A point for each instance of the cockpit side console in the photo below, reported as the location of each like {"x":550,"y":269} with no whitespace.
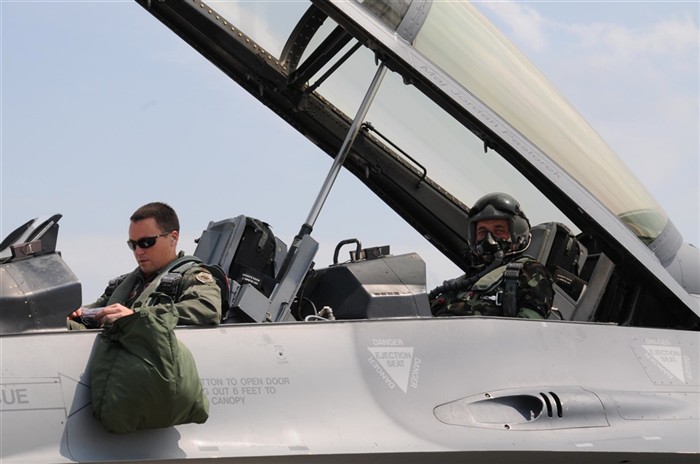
{"x":367,"y":288}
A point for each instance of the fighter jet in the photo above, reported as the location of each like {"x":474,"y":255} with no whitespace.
{"x":430,"y":107}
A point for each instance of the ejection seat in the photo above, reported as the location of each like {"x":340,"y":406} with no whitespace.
{"x":579,"y":278}
{"x":557,"y":248}
{"x":249,"y":254}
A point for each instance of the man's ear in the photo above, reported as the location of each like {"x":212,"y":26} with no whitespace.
{"x":175,"y":236}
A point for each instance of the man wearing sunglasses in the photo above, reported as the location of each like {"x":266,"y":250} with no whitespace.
{"x":503,"y":280}
{"x":163,"y":275}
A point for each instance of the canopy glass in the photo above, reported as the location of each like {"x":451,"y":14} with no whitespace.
{"x":457,"y":38}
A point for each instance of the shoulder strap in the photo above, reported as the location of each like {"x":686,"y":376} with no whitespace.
{"x":171,"y":275}
{"x":123,"y":285}
{"x":510,"y":278}
{"x":176,"y":268}
{"x":181,"y":264}
{"x":114,"y":283}
{"x":263,"y":228}
{"x":119,"y":288}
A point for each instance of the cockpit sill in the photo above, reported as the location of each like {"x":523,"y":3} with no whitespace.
{"x":321,"y":321}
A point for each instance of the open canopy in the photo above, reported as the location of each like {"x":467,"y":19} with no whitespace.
{"x":462,"y":113}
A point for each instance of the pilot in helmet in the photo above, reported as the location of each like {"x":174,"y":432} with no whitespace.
{"x":497,"y":224}
{"x":502,"y":280}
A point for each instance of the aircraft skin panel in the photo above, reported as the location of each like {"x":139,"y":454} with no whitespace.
{"x":357,"y":388}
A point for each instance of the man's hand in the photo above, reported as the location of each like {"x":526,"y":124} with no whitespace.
{"x":105,"y":316}
{"x":111,"y":313}
{"x":75,"y":314}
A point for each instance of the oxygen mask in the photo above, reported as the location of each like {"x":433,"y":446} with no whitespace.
{"x":489,"y":248}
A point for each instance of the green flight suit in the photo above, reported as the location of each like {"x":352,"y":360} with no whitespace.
{"x":197,"y":298}
{"x":534,"y":295}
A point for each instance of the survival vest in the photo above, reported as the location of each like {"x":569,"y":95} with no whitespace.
{"x":166,"y":282}
{"x":507,"y":273}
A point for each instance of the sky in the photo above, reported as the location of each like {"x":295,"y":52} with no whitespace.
{"x":103,"y":109}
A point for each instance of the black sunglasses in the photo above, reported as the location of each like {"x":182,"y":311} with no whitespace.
{"x":146,"y":242}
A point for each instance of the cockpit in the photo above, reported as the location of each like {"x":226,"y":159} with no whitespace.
{"x":429,"y":106}
{"x":430,"y":117}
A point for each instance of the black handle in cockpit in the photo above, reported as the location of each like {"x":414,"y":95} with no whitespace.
{"x":358,"y":250}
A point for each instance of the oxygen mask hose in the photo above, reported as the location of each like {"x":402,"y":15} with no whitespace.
{"x":461,"y":284}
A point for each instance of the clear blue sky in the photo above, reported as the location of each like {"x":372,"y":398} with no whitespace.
{"x":104,"y":109}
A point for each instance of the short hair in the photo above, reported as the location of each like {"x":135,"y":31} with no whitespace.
{"x":165,"y":216}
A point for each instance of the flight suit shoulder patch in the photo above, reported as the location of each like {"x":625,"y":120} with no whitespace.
{"x":204,"y":277}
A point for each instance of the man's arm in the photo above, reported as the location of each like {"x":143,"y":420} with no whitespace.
{"x":535,"y":293}
{"x":199,"y":300}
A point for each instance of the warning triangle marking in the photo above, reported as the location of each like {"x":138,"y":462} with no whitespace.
{"x":670,"y":357}
{"x":396,"y":362}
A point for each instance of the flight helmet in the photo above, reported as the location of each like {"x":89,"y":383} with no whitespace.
{"x":498,"y":206}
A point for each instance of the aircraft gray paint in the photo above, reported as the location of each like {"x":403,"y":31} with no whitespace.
{"x":613,"y":376}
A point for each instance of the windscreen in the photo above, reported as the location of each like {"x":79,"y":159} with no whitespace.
{"x":457,"y":38}
{"x":463,"y":43}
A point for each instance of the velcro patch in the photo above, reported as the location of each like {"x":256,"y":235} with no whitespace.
{"x":204,"y":277}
